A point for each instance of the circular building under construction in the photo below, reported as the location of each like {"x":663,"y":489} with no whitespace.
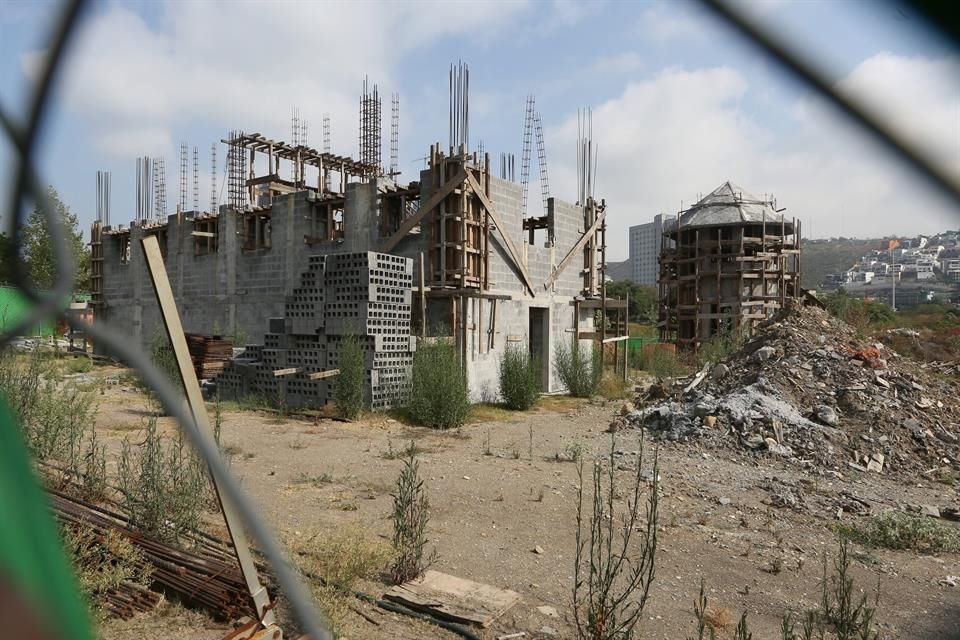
{"x":726,"y":263}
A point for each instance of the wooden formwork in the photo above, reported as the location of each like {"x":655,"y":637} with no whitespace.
{"x":718,"y":281}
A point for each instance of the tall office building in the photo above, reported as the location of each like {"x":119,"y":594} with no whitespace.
{"x":645,"y":243}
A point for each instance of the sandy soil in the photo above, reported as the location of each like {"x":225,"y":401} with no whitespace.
{"x":493,"y":503}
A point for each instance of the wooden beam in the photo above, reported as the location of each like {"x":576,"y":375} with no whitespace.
{"x":286,"y":372}
{"x":575,"y":249}
{"x":508,"y":243}
{"x":181,"y":352}
{"x":319,"y":375}
{"x":431,"y":203}
{"x":203,"y":234}
{"x":616,"y":339}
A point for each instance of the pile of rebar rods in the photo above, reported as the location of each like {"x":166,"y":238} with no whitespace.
{"x":207,"y":576}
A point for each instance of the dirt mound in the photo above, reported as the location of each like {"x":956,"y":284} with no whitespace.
{"x":808,"y":388}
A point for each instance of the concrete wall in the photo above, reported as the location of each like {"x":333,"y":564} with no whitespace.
{"x":237,"y":290}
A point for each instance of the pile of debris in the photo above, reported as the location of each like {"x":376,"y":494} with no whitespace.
{"x":208,"y":354}
{"x":806,"y":387}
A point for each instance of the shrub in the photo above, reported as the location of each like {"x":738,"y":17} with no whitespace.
{"x":411,"y":512}
{"x":57,"y":420}
{"x":348,"y":385}
{"x":661,"y":363}
{"x":438,"y":397}
{"x":899,"y":530}
{"x":610,"y":583}
{"x":161,"y":353}
{"x":162,"y":485}
{"x":579,"y":369}
{"x":519,"y":378}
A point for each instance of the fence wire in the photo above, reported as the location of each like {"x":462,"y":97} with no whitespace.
{"x":27,"y":187}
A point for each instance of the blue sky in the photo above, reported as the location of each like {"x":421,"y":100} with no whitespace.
{"x":680,"y":103}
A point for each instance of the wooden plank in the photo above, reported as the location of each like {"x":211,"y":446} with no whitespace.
{"x":286,"y":372}
{"x":455,"y":599}
{"x":508,"y":243}
{"x":171,"y":320}
{"x":616,"y":339}
{"x":320,"y":375}
{"x":427,"y":206}
{"x":203,"y":234}
{"x":575,"y":249}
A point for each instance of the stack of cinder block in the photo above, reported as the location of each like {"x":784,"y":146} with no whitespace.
{"x":368,"y":296}
{"x":365,"y":295}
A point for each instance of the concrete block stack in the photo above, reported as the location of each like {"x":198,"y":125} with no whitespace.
{"x":367,"y":295}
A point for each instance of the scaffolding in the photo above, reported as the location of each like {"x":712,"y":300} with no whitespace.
{"x":728,"y":262}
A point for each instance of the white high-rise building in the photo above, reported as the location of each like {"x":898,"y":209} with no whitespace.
{"x":645,"y":242}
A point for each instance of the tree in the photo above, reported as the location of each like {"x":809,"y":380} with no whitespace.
{"x":38,"y":251}
{"x":643,"y":299}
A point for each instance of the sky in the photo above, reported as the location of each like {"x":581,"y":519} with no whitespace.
{"x":680,"y":103}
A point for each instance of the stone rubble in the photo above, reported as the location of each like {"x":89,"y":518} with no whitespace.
{"x":808,"y":388}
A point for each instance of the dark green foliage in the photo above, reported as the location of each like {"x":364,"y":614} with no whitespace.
{"x":38,"y":253}
{"x":161,"y":354}
{"x":643,"y":299}
{"x":411,"y":512}
{"x":519,"y":378}
{"x":579,"y":369}
{"x":438,"y":397}
{"x":860,"y":314}
{"x":348,"y":384}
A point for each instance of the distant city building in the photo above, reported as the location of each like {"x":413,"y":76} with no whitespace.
{"x":645,"y":243}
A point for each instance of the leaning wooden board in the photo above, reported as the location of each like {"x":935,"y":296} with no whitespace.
{"x":450,"y":598}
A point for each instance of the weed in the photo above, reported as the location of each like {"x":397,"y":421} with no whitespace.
{"x":530,"y":442}
{"x":411,"y":450}
{"x":438,"y":397}
{"x":947,"y":477}
{"x":103,"y":561}
{"x":660,"y":362}
{"x":80,"y":364}
{"x":516,"y":453}
{"x":411,"y":512}
{"x":487,"y":451}
{"x":540,"y":495}
{"x":776,"y":565}
{"x":613,"y":387}
{"x":742,"y":632}
{"x":704,"y":629}
{"x":851,"y":618}
{"x":900,"y":530}
{"x":316,"y":481}
{"x":162,"y":484}
{"x":718,"y":618}
{"x":341,"y":559}
{"x":578,"y":368}
{"x":610,"y":588}
{"x":348,"y":385}
{"x":298,"y":444}
{"x":574,"y":450}
{"x":519,"y":378}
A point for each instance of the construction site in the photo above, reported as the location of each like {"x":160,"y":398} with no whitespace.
{"x":772,"y":461}
{"x":314,"y":246}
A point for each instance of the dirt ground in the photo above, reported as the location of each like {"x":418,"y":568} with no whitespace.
{"x":497,"y":492}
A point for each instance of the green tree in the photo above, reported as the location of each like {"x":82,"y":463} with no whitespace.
{"x":643,"y":299}
{"x":38,"y":251}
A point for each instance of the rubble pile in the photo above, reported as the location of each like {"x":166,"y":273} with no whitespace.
{"x":806,"y":387}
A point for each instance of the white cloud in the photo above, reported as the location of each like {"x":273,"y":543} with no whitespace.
{"x":681,"y":133}
{"x":246,"y":64}
{"x":918,"y":97}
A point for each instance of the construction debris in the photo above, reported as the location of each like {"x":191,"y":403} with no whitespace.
{"x":808,"y":388}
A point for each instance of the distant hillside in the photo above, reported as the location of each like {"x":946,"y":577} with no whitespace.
{"x":820,"y":257}
{"x":618,"y":270}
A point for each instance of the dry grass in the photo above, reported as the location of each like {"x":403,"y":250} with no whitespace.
{"x":719,"y":618}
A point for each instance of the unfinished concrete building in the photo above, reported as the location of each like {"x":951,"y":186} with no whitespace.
{"x":728,"y":262}
{"x":313,"y":247}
